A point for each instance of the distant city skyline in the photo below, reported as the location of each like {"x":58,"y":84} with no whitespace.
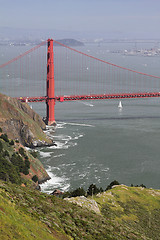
{"x":99,"y":18}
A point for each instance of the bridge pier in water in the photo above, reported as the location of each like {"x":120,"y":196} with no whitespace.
{"x":50,"y":102}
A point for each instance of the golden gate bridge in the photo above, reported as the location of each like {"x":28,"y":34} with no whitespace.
{"x":71,"y":75}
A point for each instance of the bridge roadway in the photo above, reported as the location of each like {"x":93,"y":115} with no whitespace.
{"x":91,"y":97}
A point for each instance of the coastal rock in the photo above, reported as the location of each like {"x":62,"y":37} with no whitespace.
{"x":21,"y":123}
{"x":85,"y":202}
{"x":57,"y":192}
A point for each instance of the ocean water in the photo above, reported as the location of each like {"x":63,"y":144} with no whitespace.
{"x":96,"y":141}
{"x":99,"y":143}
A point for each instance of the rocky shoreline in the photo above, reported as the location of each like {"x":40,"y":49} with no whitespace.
{"x":21,"y":124}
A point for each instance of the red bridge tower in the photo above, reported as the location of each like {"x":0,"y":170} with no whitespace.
{"x":50,"y":84}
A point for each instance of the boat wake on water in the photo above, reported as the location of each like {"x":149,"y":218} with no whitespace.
{"x":80,"y":124}
{"x":87,"y":104}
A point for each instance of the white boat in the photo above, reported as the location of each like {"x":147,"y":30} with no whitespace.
{"x":120,"y":105}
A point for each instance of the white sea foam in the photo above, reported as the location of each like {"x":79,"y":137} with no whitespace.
{"x":78,"y":136}
{"x":68,"y":164}
{"x":62,"y":137}
{"x":59,"y":145}
{"x":68,"y":138}
{"x":75,"y":138}
{"x":27,"y":148}
{"x":66,"y":187}
{"x":45,"y":154}
{"x":59,"y":155}
{"x":82,"y":175}
{"x":54,"y":182}
{"x":63,"y":141}
{"x":60,"y":125}
{"x":49,"y":131}
{"x":81,"y":135}
{"x":105,"y":170}
{"x":55,"y":168}
{"x":50,"y":127}
{"x":73,"y":144}
{"x":80,"y":124}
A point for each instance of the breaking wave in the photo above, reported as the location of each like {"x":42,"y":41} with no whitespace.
{"x":55,"y":182}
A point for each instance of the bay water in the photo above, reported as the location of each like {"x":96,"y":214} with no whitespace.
{"x":97,"y":142}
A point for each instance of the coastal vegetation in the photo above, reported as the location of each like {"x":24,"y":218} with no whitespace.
{"x":123,"y":213}
{"x":17,"y":165}
{"x":20,"y":126}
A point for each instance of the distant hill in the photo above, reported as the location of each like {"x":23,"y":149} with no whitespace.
{"x":69,"y":42}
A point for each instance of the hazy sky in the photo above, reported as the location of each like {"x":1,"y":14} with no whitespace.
{"x":139,"y":18}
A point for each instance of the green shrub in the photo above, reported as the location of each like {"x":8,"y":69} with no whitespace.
{"x":93,"y":190}
{"x":5,"y":153}
{"x":25,"y":170}
{"x":35,"y":178}
{"x":26,"y":157}
{"x":21,"y":151}
{"x":11,"y":142}
{"x":1,"y":146}
{"x":112,"y":184}
{"x":27,"y":163}
{"x":17,"y":160}
{"x":34,"y":154}
{"x":141,"y":185}
{"x":8,"y":172}
{"x":4,"y":137}
{"x":78,"y":192}
{"x":0,"y":129}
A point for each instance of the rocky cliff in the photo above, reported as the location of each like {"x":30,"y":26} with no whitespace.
{"x":21,"y":123}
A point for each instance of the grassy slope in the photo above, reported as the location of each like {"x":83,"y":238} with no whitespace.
{"x":134,"y":207}
{"x":17,"y":225}
{"x":126,"y":213}
{"x":16,"y":219}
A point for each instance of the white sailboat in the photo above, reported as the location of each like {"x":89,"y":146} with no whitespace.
{"x":120,"y":105}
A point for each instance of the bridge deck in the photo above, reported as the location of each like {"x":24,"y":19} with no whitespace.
{"x":91,"y":97}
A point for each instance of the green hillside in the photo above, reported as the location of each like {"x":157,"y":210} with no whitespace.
{"x":125,"y":213}
{"x":135,"y":208}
